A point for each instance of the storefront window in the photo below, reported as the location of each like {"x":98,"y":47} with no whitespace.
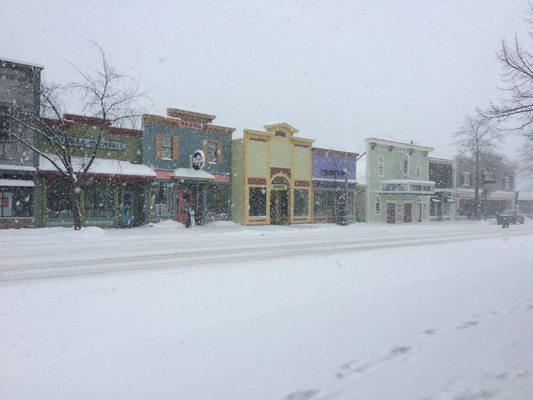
{"x":219,"y":201}
{"x":257,"y":202}
{"x":15,"y":202}
{"x":58,"y":200}
{"x":99,"y":200}
{"x":300,"y":202}
{"x":320,"y":202}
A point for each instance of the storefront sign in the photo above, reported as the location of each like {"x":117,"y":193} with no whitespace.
{"x":189,"y":124}
{"x":80,"y":141}
{"x":278,"y":186}
{"x":198,"y":160}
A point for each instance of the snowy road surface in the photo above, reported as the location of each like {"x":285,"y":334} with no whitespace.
{"x":430,"y":311}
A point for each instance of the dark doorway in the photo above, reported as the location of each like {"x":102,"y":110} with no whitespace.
{"x":127,"y":208}
{"x":184,"y":204}
{"x":279,"y":201}
{"x":408,"y":212}
{"x":391,"y":213}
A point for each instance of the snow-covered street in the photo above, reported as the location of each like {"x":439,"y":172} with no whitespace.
{"x":428,"y":311}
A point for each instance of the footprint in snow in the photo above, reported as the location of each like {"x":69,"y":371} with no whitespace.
{"x":467,"y":324}
{"x":302,"y":394}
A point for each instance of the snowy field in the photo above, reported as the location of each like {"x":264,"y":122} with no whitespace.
{"x":430,"y":311}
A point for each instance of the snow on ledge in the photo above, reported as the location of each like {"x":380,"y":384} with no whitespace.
{"x":189,"y":173}
{"x":525,"y":196}
{"x":8,"y":167}
{"x":16,"y":183}
{"x":100,"y":166}
{"x":408,"y":181}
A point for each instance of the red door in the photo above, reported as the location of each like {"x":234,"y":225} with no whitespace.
{"x":408,"y":212}
{"x":391,"y":213}
{"x":184,"y":204}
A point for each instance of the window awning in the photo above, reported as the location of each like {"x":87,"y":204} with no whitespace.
{"x":101,"y":166}
{"x":17,"y":183}
{"x":501,"y":195}
{"x":193,"y":174}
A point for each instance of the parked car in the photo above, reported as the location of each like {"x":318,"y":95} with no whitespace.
{"x":513,"y":216}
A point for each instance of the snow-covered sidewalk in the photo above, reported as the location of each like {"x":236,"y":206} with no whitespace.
{"x":422,"y":320}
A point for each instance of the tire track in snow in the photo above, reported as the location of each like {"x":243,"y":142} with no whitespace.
{"x":216,"y":256}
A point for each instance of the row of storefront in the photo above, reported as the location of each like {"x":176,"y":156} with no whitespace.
{"x":182,"y":163}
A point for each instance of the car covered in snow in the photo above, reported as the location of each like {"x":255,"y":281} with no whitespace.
{"x":513,"y":216}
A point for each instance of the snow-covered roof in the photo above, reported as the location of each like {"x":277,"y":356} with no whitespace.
{"x":189,"y":173}
{"x":20,"y":62}
{"x":340,"y":180}
{"x":101,"y":166}
{"x":408,"y":181}
{"x":525,"y":196}
{"x":16,"y":183}
{"x":501,"y":195}
{"x":11,"y":167}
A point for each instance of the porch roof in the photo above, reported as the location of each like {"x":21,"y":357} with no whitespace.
{"x":16,"y":183}
{"x":100,"y":166}
{"x":193,"y":174}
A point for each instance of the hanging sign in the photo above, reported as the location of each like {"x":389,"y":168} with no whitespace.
{"x":278,"y":187}
{"x":198,"y":160}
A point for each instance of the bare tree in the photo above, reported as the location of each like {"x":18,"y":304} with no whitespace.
{"x":517,"y":108}
{"x":476,"y":138}
{"x":106,"y":95}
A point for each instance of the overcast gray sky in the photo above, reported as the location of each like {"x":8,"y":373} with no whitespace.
{"x":339,"y":71}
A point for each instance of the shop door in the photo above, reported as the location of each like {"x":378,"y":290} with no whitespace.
{"x":184,"y":204}
{"x":391,"y":213}
{"x":408,"y":212}
{"x":279,"y":201}
{"x":419,"y":212}
{"x":127,"y":208}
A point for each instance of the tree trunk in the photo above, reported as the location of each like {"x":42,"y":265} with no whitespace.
{"x":75,"y":200}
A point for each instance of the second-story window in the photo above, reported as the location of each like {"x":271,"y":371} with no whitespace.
{"x":381,"y":166}
{"x":506,"y":183}
{"x":406,"y":166}
{"x":418,"y":171}
{"x":466,"y":178}
{"x":213,"y":152}
{"x":166,"y":148}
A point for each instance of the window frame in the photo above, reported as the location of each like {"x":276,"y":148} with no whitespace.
{"x":305,"y":202}
{"x":263,"y":190}
{"x":165,"y":147}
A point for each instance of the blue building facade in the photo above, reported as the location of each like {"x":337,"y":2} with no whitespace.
{"x":192,"y":160}
{"x":333,"y":183}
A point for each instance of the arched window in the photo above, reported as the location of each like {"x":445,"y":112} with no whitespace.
{"x":381,"y":166}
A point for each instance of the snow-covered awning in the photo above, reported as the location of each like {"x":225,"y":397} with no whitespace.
{"x":9,"y":167}
{"x":525,"y":196}
{"x":194,"y":174}
{"x":101,"y":166}
{"x":16,"y":183}
{"x":501,"y":195}
{"x":407,"y":186}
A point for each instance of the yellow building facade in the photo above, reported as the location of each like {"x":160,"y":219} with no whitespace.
{"x":272,"y":176}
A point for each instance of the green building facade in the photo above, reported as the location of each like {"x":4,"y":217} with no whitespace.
{"x":398,"y":186}
{"x":117,"y":191}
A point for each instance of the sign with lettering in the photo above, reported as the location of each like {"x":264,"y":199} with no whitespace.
{"x":90,"y":142}
{"x":278,"y":186}
{"x":189,"y":124}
